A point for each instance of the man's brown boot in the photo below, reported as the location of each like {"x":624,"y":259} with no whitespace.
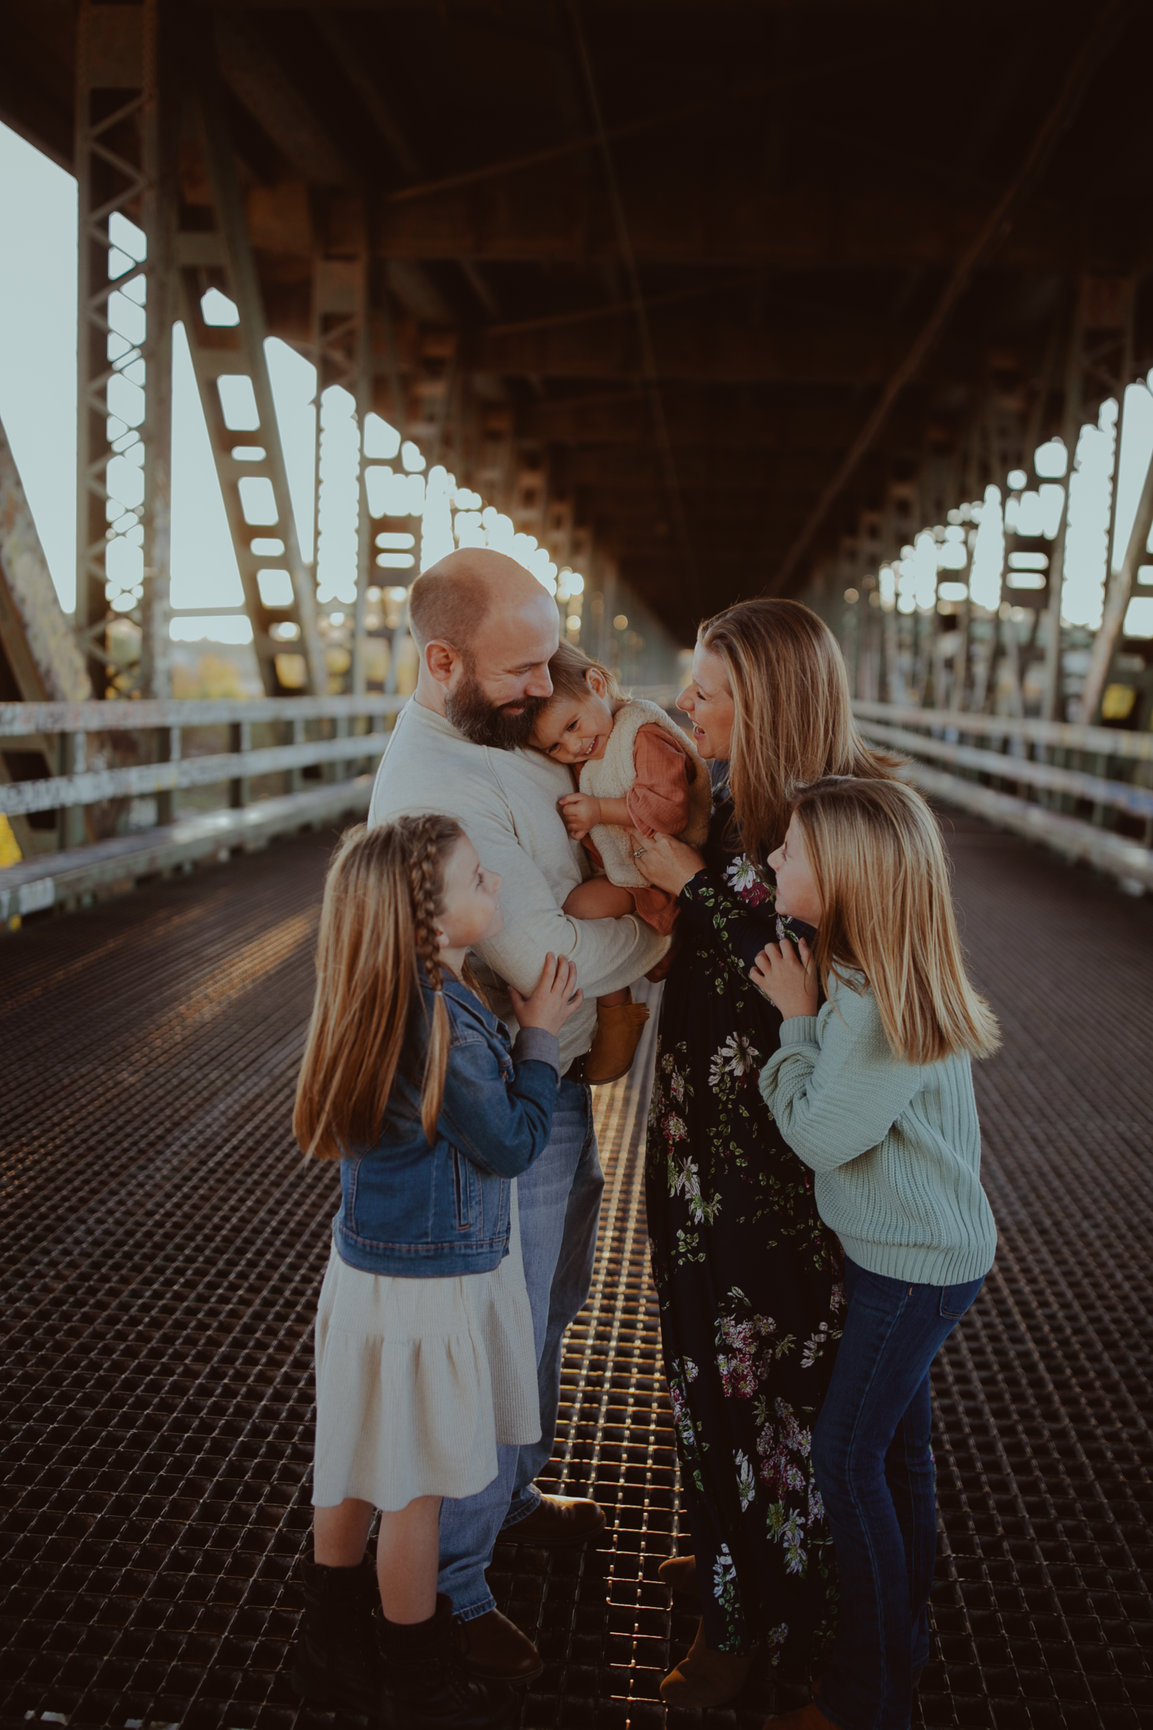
{"x":493,"y":1649}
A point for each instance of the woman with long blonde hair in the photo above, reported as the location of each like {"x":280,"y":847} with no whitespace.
{"x":874,"y":1092}
{"x":425,"y":1358}
{"x":747,"y":1277}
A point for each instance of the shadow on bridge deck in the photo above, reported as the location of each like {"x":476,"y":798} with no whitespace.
{"x":163,"y":1247}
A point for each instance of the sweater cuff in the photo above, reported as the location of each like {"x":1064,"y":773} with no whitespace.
{"x":537,"y":1045}
{"x":799,"y":1030}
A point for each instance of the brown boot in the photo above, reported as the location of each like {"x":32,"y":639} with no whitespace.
{"x":619,"y":1029}
{"x":704,"y":1677}
{"x":679,"y":1573}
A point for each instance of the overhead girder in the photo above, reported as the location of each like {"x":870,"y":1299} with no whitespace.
{"x":803,"y":347}
{"x":556,"y":214}
{"x":768,"y":419}
{"x":613,"y":474}
{"x":799,"y":349}
{"x":254,"y":75}
{"x":634,"y":540}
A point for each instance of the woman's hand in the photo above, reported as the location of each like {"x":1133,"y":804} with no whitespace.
{"x":580,"y":812}
{"x":788,"y":978}
{"x":665,"y":862}
{"x":555,"y":996}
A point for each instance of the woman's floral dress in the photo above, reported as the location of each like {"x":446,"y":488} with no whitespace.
{"x":748,"y":1279}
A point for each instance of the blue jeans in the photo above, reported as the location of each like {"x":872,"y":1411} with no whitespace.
{"x":559,"y":1198}
{"x":873,"y":1462}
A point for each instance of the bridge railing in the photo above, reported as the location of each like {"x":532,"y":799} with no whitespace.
{"x":1085,"y":791}
{"x":153,"y":785}
{"x":145,"y":787}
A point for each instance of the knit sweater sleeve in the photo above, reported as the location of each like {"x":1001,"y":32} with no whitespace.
{"x":658,"y":800}
{"x":607,"y":953}
{"x":835,"y":1087}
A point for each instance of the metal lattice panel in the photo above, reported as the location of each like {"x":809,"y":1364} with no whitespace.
{"x":163,"y":1247}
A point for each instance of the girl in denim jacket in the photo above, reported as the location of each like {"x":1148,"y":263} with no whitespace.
{"x":424,"y":1344}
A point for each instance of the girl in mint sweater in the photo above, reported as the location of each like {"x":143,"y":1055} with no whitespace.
{"x":874,"y":1092}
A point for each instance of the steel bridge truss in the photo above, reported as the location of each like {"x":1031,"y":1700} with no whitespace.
{"x":151,"y":251}
{"x":1012,"y":656}
{"x":124,"y":410}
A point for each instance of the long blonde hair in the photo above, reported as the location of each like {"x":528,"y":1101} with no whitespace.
{"x":382,"y":897}
{"x":878,"y":862}
{"x":792,"y":718}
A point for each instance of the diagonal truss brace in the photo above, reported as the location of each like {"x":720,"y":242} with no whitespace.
{"x":284,"y":624}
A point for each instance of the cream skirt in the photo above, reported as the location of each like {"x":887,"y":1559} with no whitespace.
{"x":417,"y":1380}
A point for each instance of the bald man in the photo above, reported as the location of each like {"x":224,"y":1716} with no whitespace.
{"x":485,"y":629}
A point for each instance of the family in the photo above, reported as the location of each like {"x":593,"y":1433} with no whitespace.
{"x":537,"y":843}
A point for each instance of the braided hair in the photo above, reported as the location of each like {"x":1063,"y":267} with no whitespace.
{"x":378,"y":943}
{"x":431,"y":840}
{"x":425,"y":885}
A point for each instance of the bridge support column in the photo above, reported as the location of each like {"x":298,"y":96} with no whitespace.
{"x":126,"y":184}
{"x":1099,"y":364}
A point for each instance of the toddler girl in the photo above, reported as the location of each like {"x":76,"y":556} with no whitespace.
{"x":424,"y":1343}
{"x":875,"y":1093}
{"x":638,"y":775}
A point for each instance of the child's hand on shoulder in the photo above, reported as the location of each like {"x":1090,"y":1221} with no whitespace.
{"x":787,"y":977}
{"x":555,"y":996}
{"x":580,"y":812}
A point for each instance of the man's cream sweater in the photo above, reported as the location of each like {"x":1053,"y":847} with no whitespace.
{"x":507,"y":803}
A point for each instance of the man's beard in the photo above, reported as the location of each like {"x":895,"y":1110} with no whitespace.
{"x":486,"y":723}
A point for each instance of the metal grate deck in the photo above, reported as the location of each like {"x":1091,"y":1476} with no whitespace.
{"x":162,"y":1248}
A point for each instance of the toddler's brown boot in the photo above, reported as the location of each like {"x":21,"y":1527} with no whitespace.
{"x":619,"y":1029}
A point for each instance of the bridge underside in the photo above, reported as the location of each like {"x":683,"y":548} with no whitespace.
{"x":711,"y":288}
{"x":163,"y":1247}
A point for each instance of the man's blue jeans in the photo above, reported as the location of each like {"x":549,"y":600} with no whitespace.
{"x":559,"y":1198}
{"x":873,"y":1462}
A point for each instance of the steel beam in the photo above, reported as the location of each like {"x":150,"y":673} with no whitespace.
{"x":800,"y":350}
{"x":615,"y":473}
{"x":342,"y":353}
{"x":222,"y":257}
{"x":123,"y":166}
{"x":1122,"y":585}
{"x":554,"y":213}
{"x":701,"y":417}
{"x":1099,"y":365}
{"x":251,"y":71}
